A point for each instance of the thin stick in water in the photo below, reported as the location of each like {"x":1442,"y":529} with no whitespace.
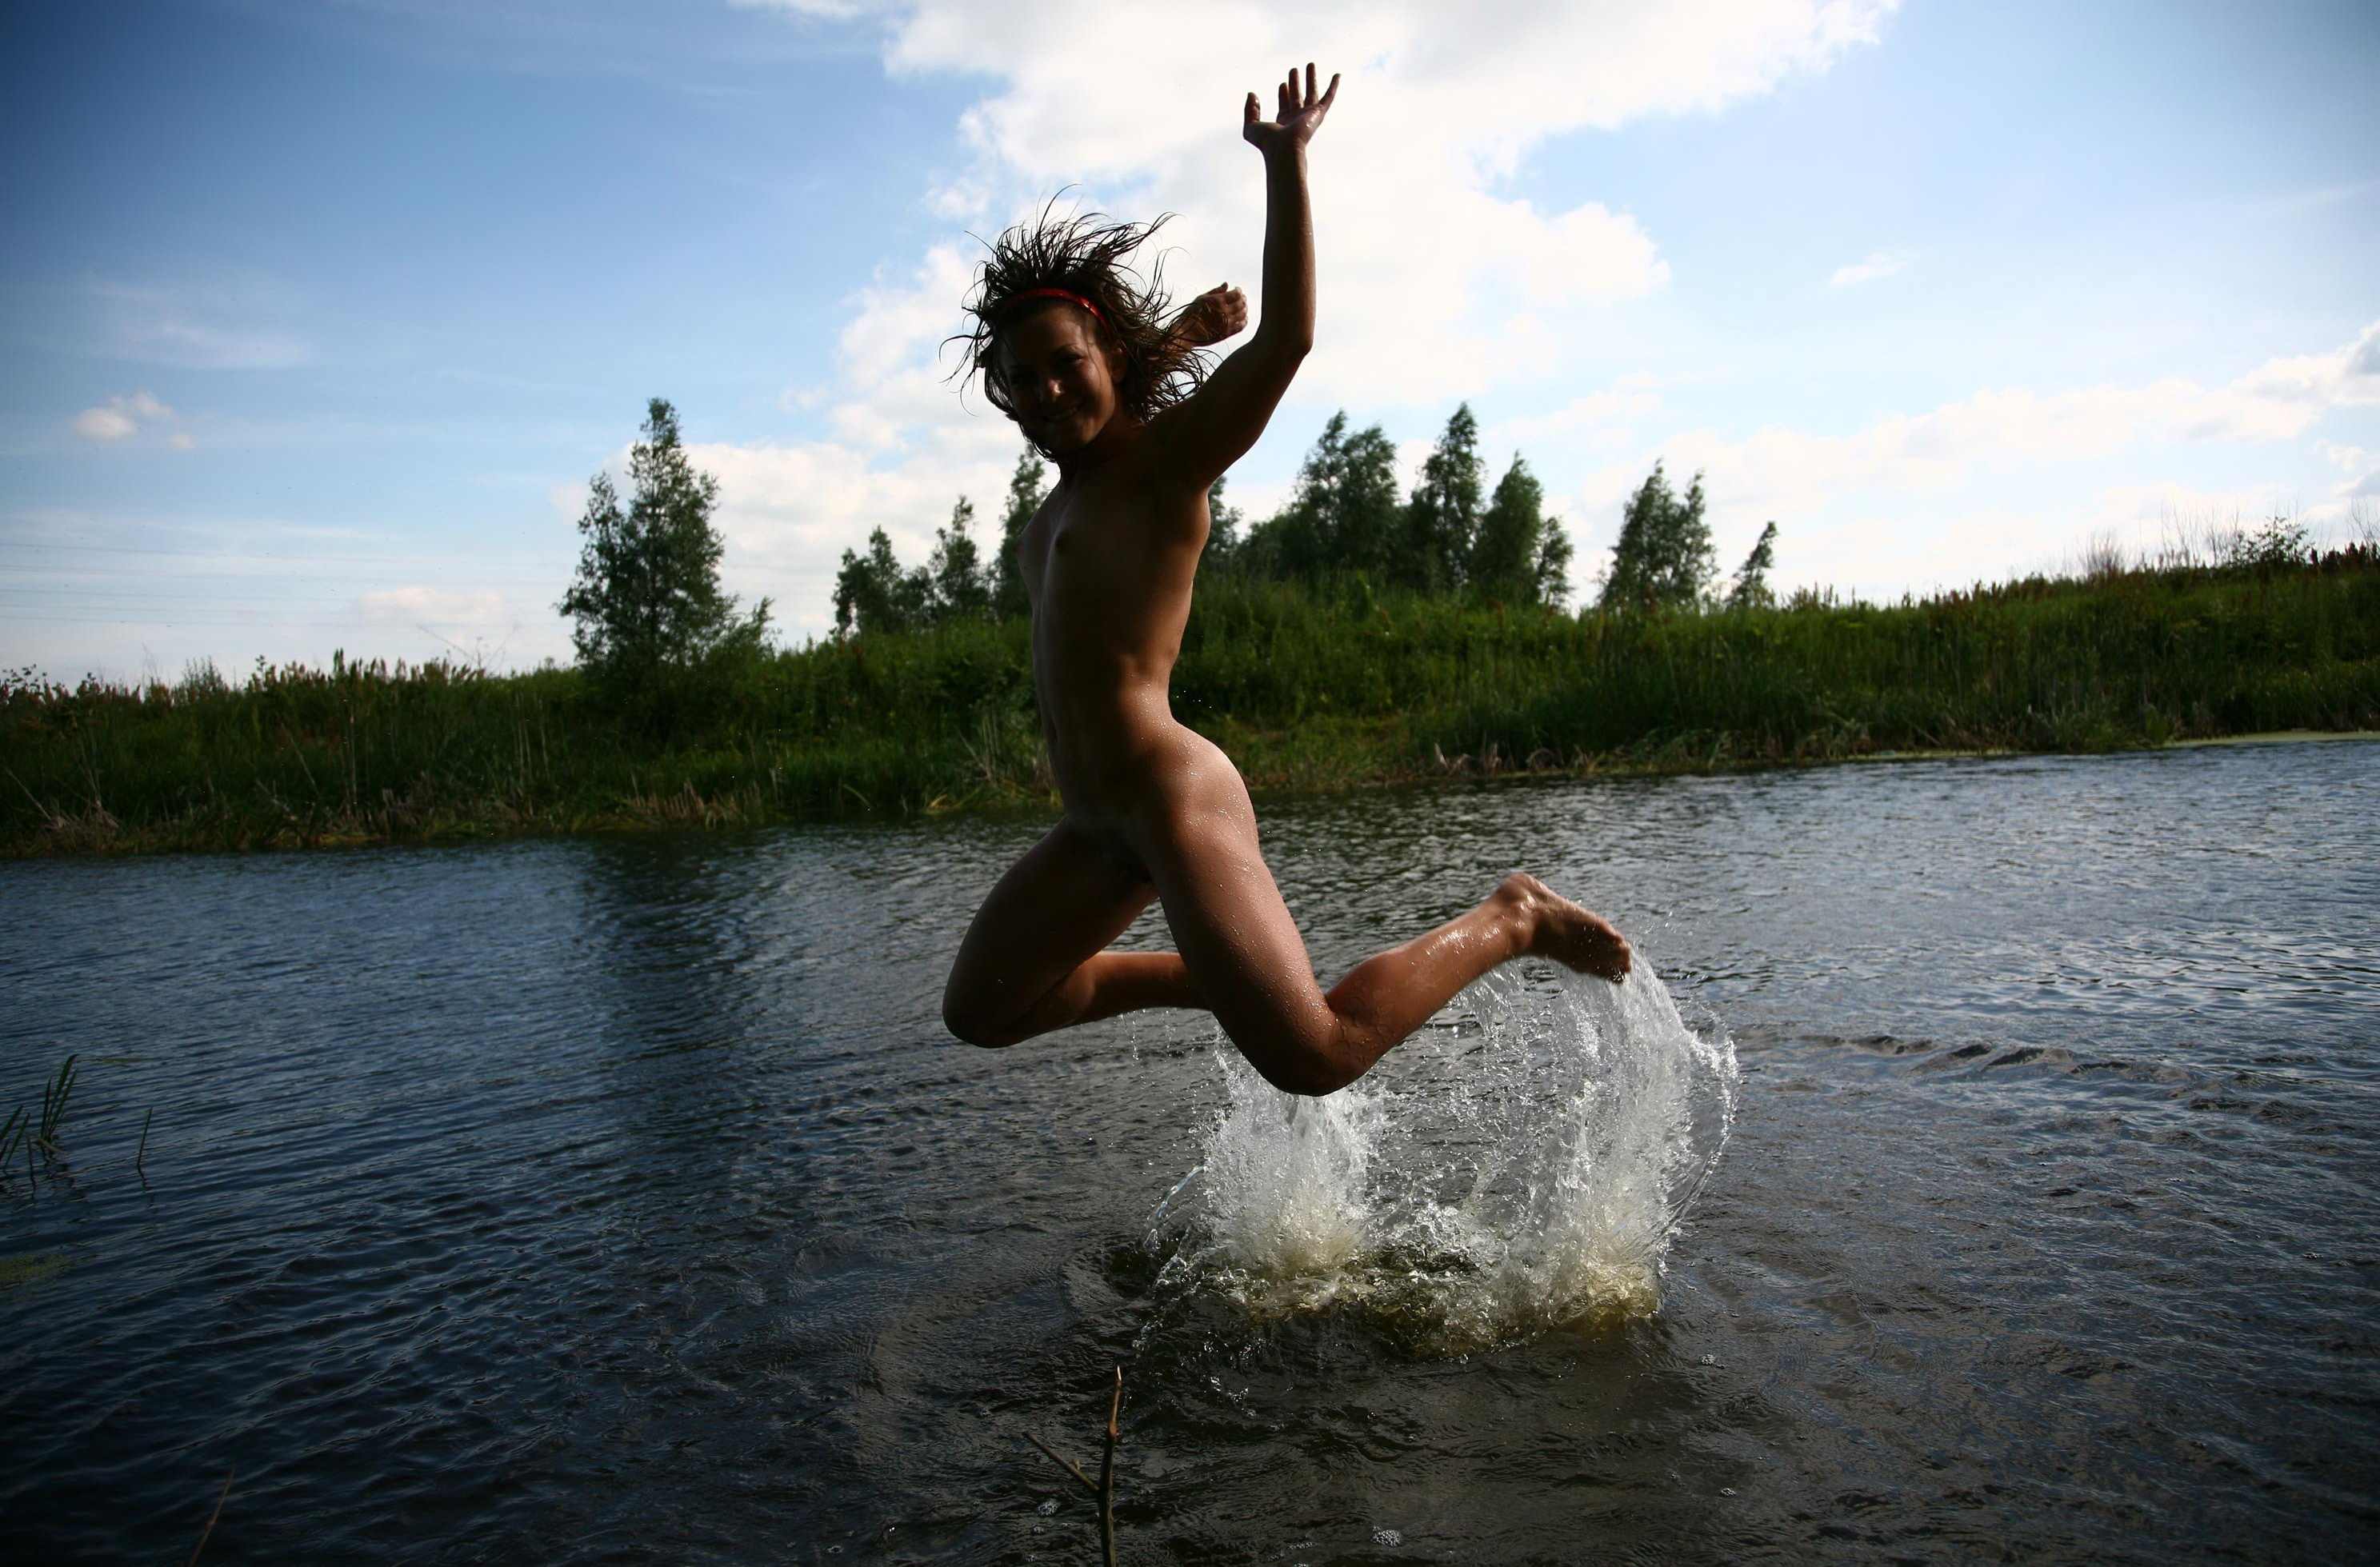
{"x":211,"y":1519}
{"x":1106,"y":1476}
{"x":1088,"y":1484}
{"x":140,"y":1156}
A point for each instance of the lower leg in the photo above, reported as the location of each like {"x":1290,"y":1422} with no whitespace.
{"x":1384,"y":999}
{"x":1387,"y":996}
{"x":1106,"y":986}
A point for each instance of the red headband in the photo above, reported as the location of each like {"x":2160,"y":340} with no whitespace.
{"x":1061,"y":293}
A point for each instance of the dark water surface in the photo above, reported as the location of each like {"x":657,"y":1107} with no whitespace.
{"x":622,"y":1199}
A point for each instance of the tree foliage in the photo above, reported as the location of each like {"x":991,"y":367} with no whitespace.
{"x":1518,"y":554}
{"x":646,"y":597}
{"x":1343,"y":514}
{"x":1663,"y":558}
{"x":1222,"y":529}
{"x":962,"y":588}
{"x":1347,"y":521}
{"x":1443,"y":519}
{"x":872,"y":593}
{"x":1751,"y":589}
{"x":1026,"y":491}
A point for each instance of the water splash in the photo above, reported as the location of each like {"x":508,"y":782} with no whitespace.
{"x":1529,"y":1177}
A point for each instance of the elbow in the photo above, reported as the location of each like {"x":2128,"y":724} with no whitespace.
{"x":1288,"y":342}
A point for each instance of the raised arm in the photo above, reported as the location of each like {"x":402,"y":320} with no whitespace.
{"x":1222,"y":420}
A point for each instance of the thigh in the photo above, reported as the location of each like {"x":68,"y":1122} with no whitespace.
{"x":1234,"y":933}
{"x":1072,"y":894}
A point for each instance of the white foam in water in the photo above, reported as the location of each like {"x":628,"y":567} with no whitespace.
{"x":1529,"y":1174}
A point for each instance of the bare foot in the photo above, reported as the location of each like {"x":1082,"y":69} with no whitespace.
{"x":1565,"y":932}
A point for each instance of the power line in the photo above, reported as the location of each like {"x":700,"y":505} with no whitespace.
{"x":209,"y":555}
{"x":234,"y":557}
{"x":257,"y":624}
{"x":47,"y":596}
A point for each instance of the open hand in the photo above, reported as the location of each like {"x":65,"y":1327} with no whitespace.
{"x":1211,"y":317}
{"x":1300,"y":116}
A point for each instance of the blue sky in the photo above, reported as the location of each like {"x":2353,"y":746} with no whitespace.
{"x":319,"y":316}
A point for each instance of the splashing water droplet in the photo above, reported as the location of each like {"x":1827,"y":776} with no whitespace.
{"x":1528,"y":1175}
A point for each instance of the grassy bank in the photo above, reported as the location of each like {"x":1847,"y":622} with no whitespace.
{"x":1306,"y":691}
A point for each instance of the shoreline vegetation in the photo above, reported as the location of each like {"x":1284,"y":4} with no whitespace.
{"x":1308,"y":687}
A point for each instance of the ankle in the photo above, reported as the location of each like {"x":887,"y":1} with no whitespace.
{"x":1520,"y":912}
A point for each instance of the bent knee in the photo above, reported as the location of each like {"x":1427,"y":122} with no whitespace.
{"x":1311,"y":1080}
{"x":1297,"y":1063}
{"x":971,"y":1023}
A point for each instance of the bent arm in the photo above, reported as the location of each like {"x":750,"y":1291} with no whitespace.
{"x":1210,"y":432}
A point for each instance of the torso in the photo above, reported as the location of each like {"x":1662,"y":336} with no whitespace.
{"x":1108,"y":562}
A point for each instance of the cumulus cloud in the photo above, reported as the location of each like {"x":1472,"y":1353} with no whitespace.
{"x":103,"y":424}
{"x":1784,"y":468}
{"x":1878,"y":264}
{"x":1433,"y":275}
{"x":120,"y":418}
{"x":1604,"y":418}
{"x":1847,"y":497}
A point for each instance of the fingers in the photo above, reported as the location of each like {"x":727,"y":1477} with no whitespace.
{"x":1294,"y":97}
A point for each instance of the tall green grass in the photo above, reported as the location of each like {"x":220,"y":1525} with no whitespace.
{"x":1306,"y":689}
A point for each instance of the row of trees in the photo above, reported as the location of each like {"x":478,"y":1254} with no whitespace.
{"x":647,"y":594}
{"x":1663,"y":558}
{"x":874,"y":592}
{"x":1345,"y":519}
{"x":1449,"y":536}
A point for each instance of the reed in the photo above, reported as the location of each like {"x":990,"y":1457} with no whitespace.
{"x":1307,"y":689}
{"x":55,"y":1094}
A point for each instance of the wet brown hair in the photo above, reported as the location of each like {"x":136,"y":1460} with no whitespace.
{"x":1085,"y":254}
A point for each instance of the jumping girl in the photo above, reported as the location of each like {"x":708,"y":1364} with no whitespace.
{"x":1079,"y":357}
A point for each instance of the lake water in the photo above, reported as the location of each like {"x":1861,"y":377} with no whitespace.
{"x":622,"y":1199}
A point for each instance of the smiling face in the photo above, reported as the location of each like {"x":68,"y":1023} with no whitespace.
{"x":1059,"y":380}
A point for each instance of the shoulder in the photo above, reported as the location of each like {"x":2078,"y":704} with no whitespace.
{"x":1168,"y":455}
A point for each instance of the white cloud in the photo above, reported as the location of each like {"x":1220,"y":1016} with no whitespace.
{"x":443,"y":608}
{"x":1429,"y":278}
{"x":1789,"y":469}
{"x":1603,"y":418}
{"x":121,"y":418}
{"x":1432,"y":276}
{"x":221,"y":326}
{"x":103,"y":424}
{"x":1846,"y":500}
{"x":1879,"y":264}
{"x":788,"y":512}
